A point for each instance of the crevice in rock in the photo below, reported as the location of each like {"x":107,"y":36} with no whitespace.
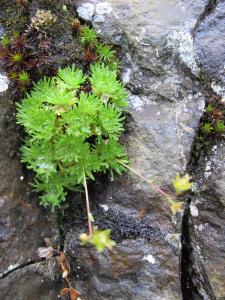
{"x":195,"y":286}
{"x":17,"y":267}
{"x":209,"y":8}
{"x":194,"y":281}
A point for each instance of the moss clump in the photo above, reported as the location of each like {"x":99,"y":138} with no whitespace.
{"x":43,"y":19}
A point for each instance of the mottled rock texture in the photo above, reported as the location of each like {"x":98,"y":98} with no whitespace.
{"x":209,"y":38}
{"x":207,"y":224}
{"x":23,"y":223}
{"x":166,"y":102}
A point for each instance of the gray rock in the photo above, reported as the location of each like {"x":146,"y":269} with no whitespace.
{"x":129,"y":272}
{"x":4,"y":83}
{"x":23,"y":224}
{"x":86,"y":11}
{"x":209,"y":39}
{"x":208,"y":231}
{"x":165,"y":102}
{"x":27,"y":284}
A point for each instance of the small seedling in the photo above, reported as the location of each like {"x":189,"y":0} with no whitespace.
{"x":207,"y":128}
{"x":88,"y":36}
{"x":209,"y":109}
{"x":5,"y":41}
{"x":19,"y":58}
{"x":13,"y":75}
{"x":105,"y":53}
{"x":219,"y":127}
{"x":24,"y":78}
{"x":16,"y":57}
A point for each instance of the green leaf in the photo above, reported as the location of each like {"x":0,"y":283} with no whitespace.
{"x":182,"y":183}
{"x":71,"y":78}
{"x":105,"y":84}
{"x":88,"y":36}
{"x":100,"y":239}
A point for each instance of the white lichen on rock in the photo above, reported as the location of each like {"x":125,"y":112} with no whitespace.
{"x":4,"y":83}
{"x":194,"y":210}
{"x":181,"y":42}
{"x":136,"y":102}
{"x":104,"y":207}
{"x":219,"y":90}
{"x":103,"y":8}
{"x":98,"y":12}
{"x":86,"y":11}
{"x":149,"y":258}
{"x":11,"y":267}
{"x":126,"y":75}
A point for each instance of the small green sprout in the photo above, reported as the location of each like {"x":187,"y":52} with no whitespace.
{"x":16,"y":57}
{"x":202,"y":75}
{"x":88,"y":36}
{"x":207,"y":128}
{"x":23,"y":78}
{"x":209,"y":108}
{"x":182,"y":183}
{"x":5,"y":41}
{"x":13,"y":75}
{"x":16,"y":34}
{"x":105,"y":53}
{"x":100,"y":239}
{"x":114,"y":65}
{"x":219,"y":127}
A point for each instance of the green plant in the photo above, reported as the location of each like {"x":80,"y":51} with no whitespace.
{"x":219,"y":127}
{"x":88,"y":36}
{"x":206,"y":128}
{"x":24,"y":78}
{"x":105,"y":53}
{"x":5,"y":41}
{"x":72,"y":135}
{"x":13,"y":75}
{"x":105,"y":84}
{"x":209,"y":108}
{"x":16,"y":57}
{"x":22,"y":64}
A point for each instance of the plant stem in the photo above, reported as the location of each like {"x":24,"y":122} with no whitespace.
{"x":88,"y":206}
{"x":154,"y":187}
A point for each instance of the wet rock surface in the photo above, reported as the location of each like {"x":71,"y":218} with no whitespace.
{"x":132,"y":270}
{"x":210,"y":46}
{"x":23,"y":224}
{"x":27,"y":284}
{"x":166,"y":102}
{"x":207,"y":223}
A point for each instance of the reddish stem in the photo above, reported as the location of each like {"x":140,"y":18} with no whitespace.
{"x":88,"y":206}
{"x":154,"y":187}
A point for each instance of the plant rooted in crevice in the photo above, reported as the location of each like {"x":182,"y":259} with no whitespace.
{"x":21,"y":62}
